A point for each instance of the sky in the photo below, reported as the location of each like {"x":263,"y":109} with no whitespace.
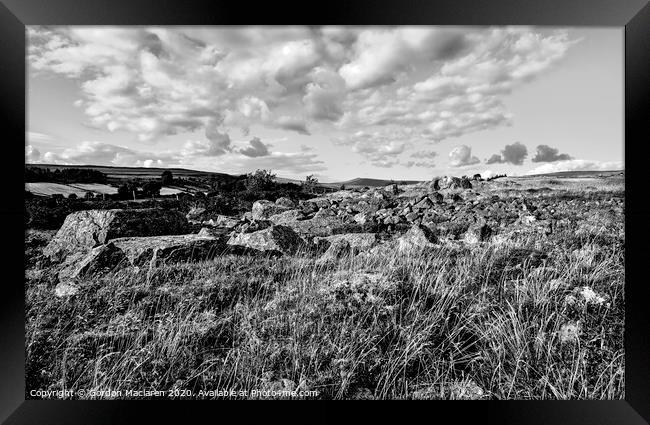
{"x":335,"y":102}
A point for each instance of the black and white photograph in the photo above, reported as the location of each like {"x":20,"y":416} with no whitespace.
{"x":324,"y":212}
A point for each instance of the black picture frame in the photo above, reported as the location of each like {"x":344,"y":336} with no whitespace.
{"x":634,"y":15}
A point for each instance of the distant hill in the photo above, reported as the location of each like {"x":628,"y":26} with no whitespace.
{"x":569,"y":174}
{"x":132,"y":172}
{"x":373,"y":182}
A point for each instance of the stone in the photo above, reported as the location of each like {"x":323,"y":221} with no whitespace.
{"x":324,"y":223}
{"x":99,"y":260}
{"x":478,"y":233}
{"x":418,"y":236}
{"x":436,"y":197}
{"x":65,"y":289}
{"x":275,"y":239}
{"x":285,"y":202}
{"x":412,"y":216}
{"x":263,"y":209}
{"x":83,"y":230}
{"x":287,"y":217}
{"x":424,"y":204}
{"x":153,"y":251}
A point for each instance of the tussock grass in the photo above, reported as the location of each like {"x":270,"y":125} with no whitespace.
{"x":445,"y":322}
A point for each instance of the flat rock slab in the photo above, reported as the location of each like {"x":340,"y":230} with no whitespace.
{"x":84,"y":230}
{"x":276,"y":239}
{"x":154,"y":250}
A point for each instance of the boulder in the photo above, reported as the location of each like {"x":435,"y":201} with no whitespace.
{"x":263,"y":209}
{"x":423,"y":204}
{"x":287,"y":217}
{"x":285,"y":202}
{"x":275,"y":239}
{"x":84,"y":230}
{"x":324,"y":223}
{"x":99,"y":260}
{"x":478,"y":233}
{"x":152,"y":251}
{"x":418,"y":236}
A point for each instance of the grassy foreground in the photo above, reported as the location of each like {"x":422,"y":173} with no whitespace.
{"x":526,"y":318}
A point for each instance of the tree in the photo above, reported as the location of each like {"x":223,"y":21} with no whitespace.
{"x":260,"y":180}
{"x":72,"y":196}
{"x":151,"y":188}
{"x":166,"y":179}
{"x":310,"y":183}
{"x":125,"y":191}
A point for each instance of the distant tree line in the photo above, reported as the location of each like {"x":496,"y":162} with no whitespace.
{"x":64,"y":175}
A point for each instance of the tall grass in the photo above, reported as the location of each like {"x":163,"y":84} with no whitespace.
{"x":444,"y":322}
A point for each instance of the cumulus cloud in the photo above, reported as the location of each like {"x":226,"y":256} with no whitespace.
{"x":382,"y":151}
{"x":256,"y":148}
{"x":461,"y":156}
{"x":577,"y":165}
{"x":512,"y":154}
{"x":545,"y":153}
{"x":94,"y":152}
{"x":426,"y":83}
{"x":32,"y":154}
{"x":495,"y":159}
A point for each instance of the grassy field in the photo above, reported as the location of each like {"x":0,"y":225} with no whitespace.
{"x":526,"y":316}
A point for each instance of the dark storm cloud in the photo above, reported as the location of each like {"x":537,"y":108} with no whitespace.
{"x":545,"y":153}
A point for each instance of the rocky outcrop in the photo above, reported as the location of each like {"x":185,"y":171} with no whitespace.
{"x":275,"y":239}
{"x":84,"y":230}
{"x":264,"y":209}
